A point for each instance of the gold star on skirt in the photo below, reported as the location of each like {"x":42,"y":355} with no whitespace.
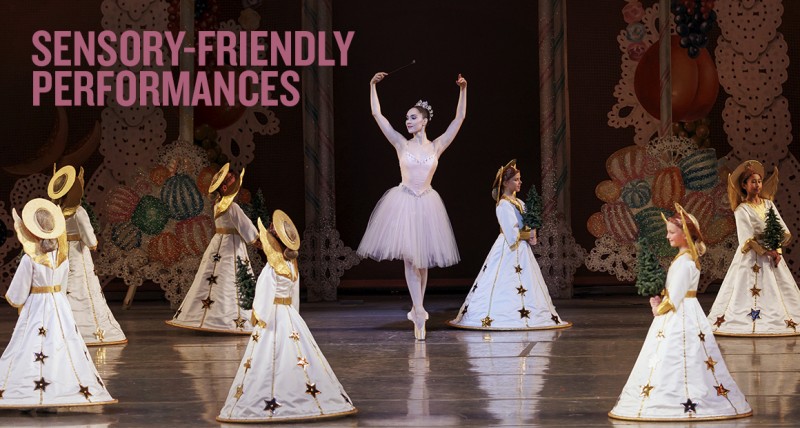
{"x":311,"y":389}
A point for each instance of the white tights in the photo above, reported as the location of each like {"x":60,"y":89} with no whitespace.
{"x":416,"y":279}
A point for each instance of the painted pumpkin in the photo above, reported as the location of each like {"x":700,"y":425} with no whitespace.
{"x":619,"y":222}
{"x":195,"y":233}
{"x":627,"y":164}
{"x":636,"y":193}
{"x":668,"y":188}
{"x":607,"y":191}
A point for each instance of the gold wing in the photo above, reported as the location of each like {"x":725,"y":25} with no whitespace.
{"x":734,"y":197}
{"x":770,"y":186}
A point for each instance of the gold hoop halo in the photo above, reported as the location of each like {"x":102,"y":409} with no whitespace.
{"x":33,"y":226}
{"x":498,"y":178}
{"x":68,"y":173}
{"x":286,"y":230}
{"x":219,"y":177}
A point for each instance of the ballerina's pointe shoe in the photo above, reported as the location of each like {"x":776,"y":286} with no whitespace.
{"x":419,"y":324}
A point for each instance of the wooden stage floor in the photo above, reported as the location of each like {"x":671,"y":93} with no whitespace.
{"x":172,"y":377}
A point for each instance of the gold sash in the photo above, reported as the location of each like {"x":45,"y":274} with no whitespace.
{"x":46,"y":289}
{"x":283,"y":301}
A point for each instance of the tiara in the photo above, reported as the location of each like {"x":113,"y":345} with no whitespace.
{"x":426,"y":106}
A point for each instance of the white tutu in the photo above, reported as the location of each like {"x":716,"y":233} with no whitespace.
{"x":410,"y":227}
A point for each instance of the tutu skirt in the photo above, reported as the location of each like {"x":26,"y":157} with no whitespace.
{"x":411,"y":227}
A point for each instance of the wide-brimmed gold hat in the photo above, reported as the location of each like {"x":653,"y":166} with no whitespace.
{"x":33,"y":226}
{"x":219,"y":177}
{"x":768,"y":188}
{"x":62,"y":181}
{"x":285,"y":229}
{"x":497,"y":185}
{"x":30,"y":232}
{"x":66,"y":186}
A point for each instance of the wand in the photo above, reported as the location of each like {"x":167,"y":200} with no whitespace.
{"x":413,"y":61}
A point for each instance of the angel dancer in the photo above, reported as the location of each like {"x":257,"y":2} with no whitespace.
{"x":680,"y":374}
{"x":759,"y":296}
{"x":283,"y":375}
{"x":46,"y":364}
{"x":212,"y":302}
{"x":92,"y":315}
{"x":509,"y":293}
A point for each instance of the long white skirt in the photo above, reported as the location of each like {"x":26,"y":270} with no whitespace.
{"x":46,"y":363}
{"x":410,"y":227}
{"x":283,"y":376}
{"x":89,"y":308}
{"x":680,"y":374}
{"x":509,"y":293}
{"x":212,"y":302}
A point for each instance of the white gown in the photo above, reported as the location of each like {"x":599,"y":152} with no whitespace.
{"x":212,"y":302}
{"x":92,"y":315}
{"x":756,"y":298}
{"x":410,"y":221}
{"x":283,"y":375}
{"x":680,"y":374}
{"x":46,"y":363}
{"x":509,"y":293}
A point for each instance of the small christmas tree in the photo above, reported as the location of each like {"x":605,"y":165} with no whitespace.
{"x":245,"y":284}
{"x":773,"y":232}
{"x":258,"y":208}
{"x":650,"y":276}
{"x":92,"y":216}
{"x":533,"y":209}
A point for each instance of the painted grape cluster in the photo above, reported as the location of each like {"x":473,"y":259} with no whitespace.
{"x":694,"y":19}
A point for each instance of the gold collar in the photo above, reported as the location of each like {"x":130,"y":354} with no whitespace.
{"x":69,"y":212}
{"x":759,"y":209}
{"x":62,"y":252}
{"x":223,"y":204}
{"x":692,"y":254}
{"x":277,"y":261}
{"x":30,"y":245}
{"x":514,"y":202}
{"x":680,"y":253}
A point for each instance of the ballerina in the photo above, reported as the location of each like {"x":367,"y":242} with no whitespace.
{"x":509,"y":293}
{"x":410,"y":221}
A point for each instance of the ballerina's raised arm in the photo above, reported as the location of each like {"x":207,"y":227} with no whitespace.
{"x":396,"y":138}
{"x":449,"y":135}
{"x":393,"y":136}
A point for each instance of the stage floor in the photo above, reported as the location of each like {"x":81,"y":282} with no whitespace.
{"x":171,"y":377}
